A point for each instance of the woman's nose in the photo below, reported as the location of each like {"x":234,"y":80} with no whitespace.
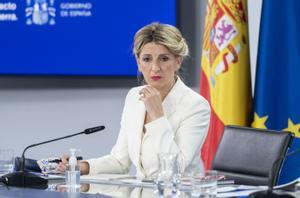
{"x":155,"y":67}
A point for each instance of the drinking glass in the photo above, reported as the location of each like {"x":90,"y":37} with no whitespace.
{"x":168,"y":176}
{"x":6,"y":161}
{"x":204,"y":184}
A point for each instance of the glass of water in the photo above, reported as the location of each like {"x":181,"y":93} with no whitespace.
{"x":204,"y":184}
{"x":168,"y":176}
{"x":6,"y":161}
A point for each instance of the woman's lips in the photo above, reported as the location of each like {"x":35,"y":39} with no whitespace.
{"x":155,"y":78}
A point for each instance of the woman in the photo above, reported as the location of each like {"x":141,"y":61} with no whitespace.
{"x":164,"y":115}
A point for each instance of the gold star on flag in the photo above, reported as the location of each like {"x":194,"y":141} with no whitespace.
{"x":294,"y":128}
{"x":259,"y":122}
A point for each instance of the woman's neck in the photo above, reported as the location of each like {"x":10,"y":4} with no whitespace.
{"x":166,"y":91}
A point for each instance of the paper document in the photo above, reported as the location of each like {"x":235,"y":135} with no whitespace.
{"x":238,"y":190}
{"x":50,"y":176}
{"x":187,"y":182}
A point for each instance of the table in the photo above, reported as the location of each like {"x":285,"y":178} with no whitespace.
{"x":35,"y":193}
{"x":92,"y":188}
{"x":88,"y":189}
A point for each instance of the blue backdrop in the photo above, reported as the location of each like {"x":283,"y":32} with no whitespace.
{"x":78,"y":37}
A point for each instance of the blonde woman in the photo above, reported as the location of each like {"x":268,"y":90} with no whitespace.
{"x":161,"y":116}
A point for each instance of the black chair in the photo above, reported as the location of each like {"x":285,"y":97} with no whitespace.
{"x":246,"y":155}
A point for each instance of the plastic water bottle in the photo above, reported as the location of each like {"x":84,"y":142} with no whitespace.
{"x":73,"y":171}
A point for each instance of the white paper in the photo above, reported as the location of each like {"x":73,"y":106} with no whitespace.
{"x":238,"y":190}
{"x":236,"y":193}
{"x":50,"y":176}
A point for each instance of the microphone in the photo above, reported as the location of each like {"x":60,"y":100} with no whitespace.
{"x":93,"y":130}
{"x":26,"y":179}
{"x":269,"y":192}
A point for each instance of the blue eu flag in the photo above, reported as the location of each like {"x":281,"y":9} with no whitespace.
{"x":277,"y":88}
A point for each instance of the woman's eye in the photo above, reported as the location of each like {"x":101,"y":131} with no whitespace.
{"x":146,"y":59}
{"x":165,"y":58}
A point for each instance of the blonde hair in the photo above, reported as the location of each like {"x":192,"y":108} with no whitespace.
{"x":163,"y":34}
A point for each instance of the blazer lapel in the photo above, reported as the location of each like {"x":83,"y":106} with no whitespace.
{"x":168,"y":106}
{"x":173,"y":98}
{"x":137,"y":129}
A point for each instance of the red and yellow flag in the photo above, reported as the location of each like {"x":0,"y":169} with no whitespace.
{"x":225,"y":75}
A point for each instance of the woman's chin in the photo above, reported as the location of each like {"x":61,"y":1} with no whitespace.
{"x":156,"y":85}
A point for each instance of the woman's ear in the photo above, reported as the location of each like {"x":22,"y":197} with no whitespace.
{"x":138,"y":63}
{"x":179,"y":60}
{"x":139,"y":67}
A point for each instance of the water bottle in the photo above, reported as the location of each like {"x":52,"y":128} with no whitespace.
{"x":73,"y":171}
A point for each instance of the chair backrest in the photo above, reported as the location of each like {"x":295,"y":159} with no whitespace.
{"x":247,"y":155}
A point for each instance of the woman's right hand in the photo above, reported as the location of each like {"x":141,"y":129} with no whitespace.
{"x":153,"y":102}
{"x":62,"y":166}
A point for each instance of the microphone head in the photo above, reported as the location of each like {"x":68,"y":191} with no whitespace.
{"x":93,"y":129}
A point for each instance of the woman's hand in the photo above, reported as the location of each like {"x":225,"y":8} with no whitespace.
{"x":153,"y":102}
{"x":62,"y":166}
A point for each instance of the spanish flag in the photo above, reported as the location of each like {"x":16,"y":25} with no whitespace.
{"x":225,"y":74}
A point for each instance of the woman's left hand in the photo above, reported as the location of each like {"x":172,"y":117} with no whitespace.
{"x":61,"y":167}
{"x":153,"y":102}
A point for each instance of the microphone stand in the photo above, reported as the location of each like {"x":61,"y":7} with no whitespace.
{"x":25,"y":179}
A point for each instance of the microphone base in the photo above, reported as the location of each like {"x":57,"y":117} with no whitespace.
{"x":24,"y":179}
{"x":269,"y":194}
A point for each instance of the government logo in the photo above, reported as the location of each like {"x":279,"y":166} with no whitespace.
{"x":40,"y":12}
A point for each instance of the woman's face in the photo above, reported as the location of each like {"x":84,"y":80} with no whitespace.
{"x":158,"y":66}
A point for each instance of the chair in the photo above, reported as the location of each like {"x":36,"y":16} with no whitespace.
{"x":246,"y":155}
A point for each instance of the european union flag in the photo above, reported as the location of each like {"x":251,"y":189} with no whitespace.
{"x":277,"y":88}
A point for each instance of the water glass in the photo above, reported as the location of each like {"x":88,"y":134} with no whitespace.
{"x":204,"y":184}
{"x":168,"y":176}
{"x":6,"y":161}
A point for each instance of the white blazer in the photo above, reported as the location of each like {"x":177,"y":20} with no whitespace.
{"x":182,"y":130}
